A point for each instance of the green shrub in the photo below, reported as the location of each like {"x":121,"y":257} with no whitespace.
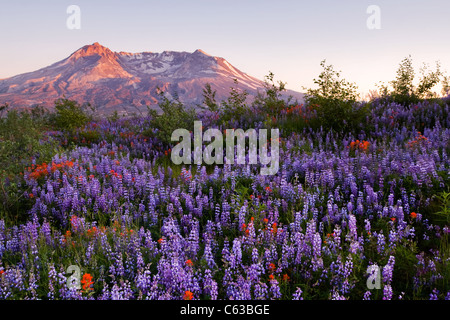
{"x":89,"y":136}
{"x":443,"y":215}
{"x":235,"y":107}
{"x":174,"y":116}
{"x":405,"y":266}
{"x":404,"y":91}
{"x":209,"y":99}
{"x":271,"y":102}
{"x":335,"y":102}
{"x":22,"y":140}
{"x":445,"y":86}
{"x":69,"y":114}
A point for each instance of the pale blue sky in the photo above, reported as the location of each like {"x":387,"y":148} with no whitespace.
{"x":289,"y":38}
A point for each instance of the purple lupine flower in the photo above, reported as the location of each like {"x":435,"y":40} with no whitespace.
{"x":391,"y":199}
{"x":210,"y":285}
{"x":380,"y":242}
{"x":144,"y":282}
{"x":193,"y":240}
{"x":244,"y":289}
{"x":242,"y":214}
{"x":367,"y":226}
{"x":121,"y":291}
{"x":345,"y":271}
{"x":274,"y":289}
{"x":89,"y":252}
{"x":217,"y":213}
{"x":225,"y":216}
{"x":350,"y":207}
{"x":287,"y":252}
{"x":310,"y":230}
{"x":387,"y":292}
{"x":355,"y":247}
{"x":117,"y":267}
{"x":297,"y":294}
{"x":236,"y":254}
{"x":52,"y":280}
{"x":260,"y":291}
{"x":208,"y":256}
{"x":32,"y":285}
{"x":226,"y":256}
{"x":336,"y":296}
{"x":353,"y":233}
{"x":317,"y":261}
{"x":388,"y":270}
{"x":255,"y":255}
{"x":393,"y":238}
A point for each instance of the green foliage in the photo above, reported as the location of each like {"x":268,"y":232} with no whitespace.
{"x":403,"y":89}
{"x":445,"y":85}
{"x":443,"y":215}
{"x":89,"y":136}
{"x":114,"y":116}
{"x":235,"y":107}
{"x":22,"y":139}
{"x":427,"y":81}
{"x":332,"y":87}
{"x":271,"y":102}
{"x":174,"y":116}
{"x":405,"y":266}
{"x":209,"y":99}
{"x":335,"y":101}
{"x":211,"y":108}
{"x":289,"y":125}
{"x":69,"y":114}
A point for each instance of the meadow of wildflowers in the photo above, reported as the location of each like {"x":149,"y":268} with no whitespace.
{"x":138,"y":227}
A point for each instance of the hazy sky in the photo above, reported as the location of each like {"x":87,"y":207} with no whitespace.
{"x":289,"y":38}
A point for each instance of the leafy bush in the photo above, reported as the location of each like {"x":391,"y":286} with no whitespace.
{"x":335,"y":101}
{"x":69,"y":114}
{"x":174,"y":116}
{"x":443,"y":215}
{"x":445,"y":86}
{"x":271,"y":102}
{"x":404,"y":91}
{"x":266,"y":105}
{"x":22,"y":141}
{"x":209,"y":99}
{"x":427,"y":81}
{"x":235,"y":106}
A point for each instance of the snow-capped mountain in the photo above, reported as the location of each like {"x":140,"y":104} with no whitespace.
{"x":125,"y":81}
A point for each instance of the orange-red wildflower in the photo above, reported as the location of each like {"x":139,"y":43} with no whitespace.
{"x":87,"y":282}
{"x":274,"y":228}
{"x":188,"y":295}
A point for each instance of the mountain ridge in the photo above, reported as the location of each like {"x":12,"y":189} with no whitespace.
{"x":125,"y":81}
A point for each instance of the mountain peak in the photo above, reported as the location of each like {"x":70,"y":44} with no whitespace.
{"x":202,"y":52}
{"x":92,"y":49}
